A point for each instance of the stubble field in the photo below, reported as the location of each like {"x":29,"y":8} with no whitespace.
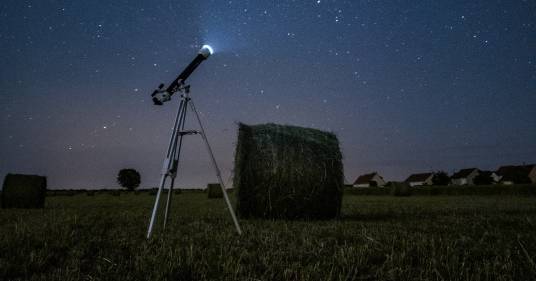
{"x":102,"y":237}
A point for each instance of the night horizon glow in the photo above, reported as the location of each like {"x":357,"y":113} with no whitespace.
{"x":407,"y":87}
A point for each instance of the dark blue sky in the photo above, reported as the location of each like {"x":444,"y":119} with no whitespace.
{"x":408,"y":86}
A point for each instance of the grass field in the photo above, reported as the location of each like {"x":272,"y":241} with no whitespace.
{"x":102,"y":237}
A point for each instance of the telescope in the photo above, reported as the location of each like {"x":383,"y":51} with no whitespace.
{"x":162,"y":95}
{"x":171,"y":161}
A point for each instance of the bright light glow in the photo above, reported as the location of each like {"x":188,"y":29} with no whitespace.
{"x":209,"y":48}
{"x":206,"y":51}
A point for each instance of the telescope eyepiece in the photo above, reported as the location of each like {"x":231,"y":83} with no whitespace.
{"x":159,"y":97}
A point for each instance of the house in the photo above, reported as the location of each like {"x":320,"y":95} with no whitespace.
{"x":517,"y":174}
{"x":420,"y":179}
{"x":464,"y":176}
{"x":495,"y":178}
{"x":368,"y":180}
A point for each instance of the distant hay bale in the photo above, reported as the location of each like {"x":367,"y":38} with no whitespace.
{"x":68,"y":193}
{"x":153,"y":191}
{"x":214,"y":190}
{"x":287,"y":172}
{"x":24,"y":191}
{"x":62,"y":192}
{"x":400,"y":189}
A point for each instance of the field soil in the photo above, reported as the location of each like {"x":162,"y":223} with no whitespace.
{"x":102,"y":237}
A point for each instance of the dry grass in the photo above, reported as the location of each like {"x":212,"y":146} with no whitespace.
{"x":377,"y":238}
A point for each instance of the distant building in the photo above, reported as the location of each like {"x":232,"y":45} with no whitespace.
{"x":495,"y":178}
{"x":464,"y":176}
{"x":368,"y":180}
{"x":420,"y":179}
{"x":517,"y":174}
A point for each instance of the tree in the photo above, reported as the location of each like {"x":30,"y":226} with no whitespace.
{"x":129,"y":178}
{"x":440,"y":178}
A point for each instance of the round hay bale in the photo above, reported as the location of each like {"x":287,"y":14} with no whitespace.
{"x":214,"y":190}
{"x":287,"y":172}
{"x":400,"y":189}
{"x":24,"y":191}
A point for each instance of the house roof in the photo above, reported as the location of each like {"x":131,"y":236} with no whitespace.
{"x":419,"y":177}
{"x":506,"y":170}
{"x":512,"y":172}
{"x":463,"y":173}
{"x":515,"y":169}
{"x":366,"y":178}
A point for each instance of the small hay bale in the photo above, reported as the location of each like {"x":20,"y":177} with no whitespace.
{"x":65,"y":192}
{"x":287,"y":172}
{"x":400,"y":189}
{"x":70,"y":193}
{"x":24,"y":191}
{"x":214,"y":190}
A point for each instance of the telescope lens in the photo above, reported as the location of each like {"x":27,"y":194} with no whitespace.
{"x":206,"y":51}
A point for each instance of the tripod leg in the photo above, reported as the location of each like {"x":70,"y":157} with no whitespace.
{"x":218,"y":174}
{"x":168,"y":202}
{"x":155,"y":208}
{"x":176,"y":157}
{"x":168,"y":162}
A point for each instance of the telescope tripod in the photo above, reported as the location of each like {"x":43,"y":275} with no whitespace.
{"x":171,"y":162}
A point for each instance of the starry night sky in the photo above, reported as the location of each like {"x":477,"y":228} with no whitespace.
{"x":408,"y":86}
